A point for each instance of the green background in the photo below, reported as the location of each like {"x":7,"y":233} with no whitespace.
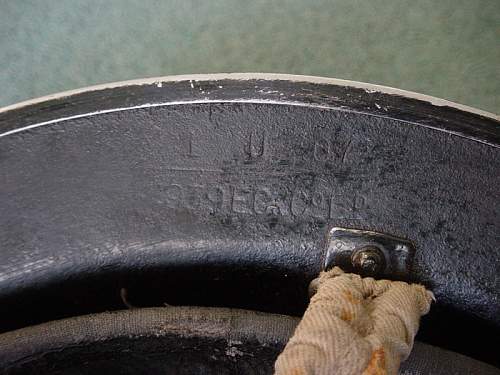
{"x":445,"y":48}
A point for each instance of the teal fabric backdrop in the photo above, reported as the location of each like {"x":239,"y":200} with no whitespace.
{"x":445,"y":48}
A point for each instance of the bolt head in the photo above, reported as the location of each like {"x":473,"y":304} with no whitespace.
{"x":369,"y":260}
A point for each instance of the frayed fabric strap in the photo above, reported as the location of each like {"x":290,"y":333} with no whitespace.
{"x":355,"y":325}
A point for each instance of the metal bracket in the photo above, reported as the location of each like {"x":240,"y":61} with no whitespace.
{"x":369,"y":253}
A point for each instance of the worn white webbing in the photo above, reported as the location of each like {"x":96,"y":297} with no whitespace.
{"x":355,"y":325}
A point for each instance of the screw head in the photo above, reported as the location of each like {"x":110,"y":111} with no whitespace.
{"x":369,"y":260}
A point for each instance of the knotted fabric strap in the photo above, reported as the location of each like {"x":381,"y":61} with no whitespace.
{"x":355,"y":325}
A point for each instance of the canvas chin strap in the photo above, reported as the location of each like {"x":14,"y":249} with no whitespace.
{"x":355,"y":325}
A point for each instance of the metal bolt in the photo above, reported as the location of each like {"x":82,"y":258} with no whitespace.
{"x":369,"y":260}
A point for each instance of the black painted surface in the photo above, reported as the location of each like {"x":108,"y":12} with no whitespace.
{"x":343,"y":98}
{"x":228,"y":204}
